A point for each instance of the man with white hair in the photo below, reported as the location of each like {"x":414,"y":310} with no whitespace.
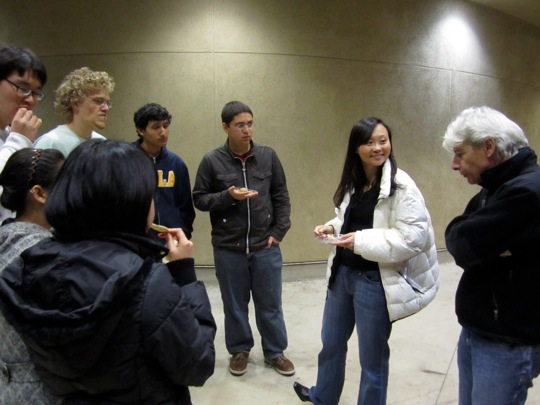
{"x":496,"y":242}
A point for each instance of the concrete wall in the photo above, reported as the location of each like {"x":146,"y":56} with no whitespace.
{"x":308,"y":68}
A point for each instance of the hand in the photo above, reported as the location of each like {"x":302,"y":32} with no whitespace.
{"x":272,"y":241}
{"x":346,"y":241}
{"x":241,"y":194}
{"x":180,"y":247}
{"x":506,"y":253}
{"x":26,"y":123}
{"x":323,"y":230}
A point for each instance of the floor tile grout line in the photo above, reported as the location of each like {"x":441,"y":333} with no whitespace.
{"x":446,"y":375}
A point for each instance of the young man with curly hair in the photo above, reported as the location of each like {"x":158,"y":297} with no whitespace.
{"x":83,"y":100}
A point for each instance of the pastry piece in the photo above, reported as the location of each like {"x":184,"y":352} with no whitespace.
{"x":159,"y":228}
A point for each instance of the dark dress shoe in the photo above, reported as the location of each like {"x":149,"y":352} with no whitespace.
{"x":302,"y":392}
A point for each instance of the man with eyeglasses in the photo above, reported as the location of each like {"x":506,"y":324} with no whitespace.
{"x":243,"y":186}
{"x":22,"y":77}
{"x":83,"y":100}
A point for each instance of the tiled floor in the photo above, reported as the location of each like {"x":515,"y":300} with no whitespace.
{"x":423,"y":368}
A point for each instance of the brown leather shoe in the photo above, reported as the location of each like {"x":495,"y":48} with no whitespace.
{"x":238,"y":363}
{"x":281,"y":364}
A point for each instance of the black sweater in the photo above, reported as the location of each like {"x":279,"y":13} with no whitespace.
{"x":496,"y":241}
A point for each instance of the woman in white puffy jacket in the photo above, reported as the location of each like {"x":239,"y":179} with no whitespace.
{"x":383,"y":267}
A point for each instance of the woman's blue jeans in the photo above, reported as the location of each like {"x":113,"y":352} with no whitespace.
{"x":493,"y":373}
{"x":241,"y":275}
{"x":355,"y":298}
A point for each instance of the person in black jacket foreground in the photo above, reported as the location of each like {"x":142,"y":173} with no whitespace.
{"x":496,"y":243}
{"x":105,"y":320}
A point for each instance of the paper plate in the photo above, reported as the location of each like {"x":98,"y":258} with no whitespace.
{"x":328,"y":238}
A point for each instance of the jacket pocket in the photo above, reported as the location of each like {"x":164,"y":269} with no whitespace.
{"x":414,"y":285}
{"x":410,"y":275}
{"x":229,"y":179}
{"x":261,"y":180}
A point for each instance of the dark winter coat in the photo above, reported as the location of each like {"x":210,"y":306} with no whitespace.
{"x":496,"y":241}
{"x":106,"y":322}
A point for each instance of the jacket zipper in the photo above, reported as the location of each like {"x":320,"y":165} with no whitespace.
{"x":495,"y":308}
{"x":483,"y":202}
{"x":248,"y":207}
{"x":157,"y":218}
{"x":247,"y":201}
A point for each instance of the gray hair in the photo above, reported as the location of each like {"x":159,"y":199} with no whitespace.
{"x":476,"y":124}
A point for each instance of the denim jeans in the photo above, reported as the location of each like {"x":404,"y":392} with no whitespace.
{"x":241,"y":275}
{"x":493,"y":373}
{"x":355,"y":298}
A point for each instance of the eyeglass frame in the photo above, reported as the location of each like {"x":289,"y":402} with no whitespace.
{"x":241,"y":125}
{"x":25,"y":92}
{"x":100,"y":102}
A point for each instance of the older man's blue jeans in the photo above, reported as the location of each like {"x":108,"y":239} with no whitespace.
{"x":493,"y":373}
{"x":356,"y":298}
{"x":241,"y":275}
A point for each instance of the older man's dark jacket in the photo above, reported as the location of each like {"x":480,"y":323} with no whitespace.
{"x":497,"y":243}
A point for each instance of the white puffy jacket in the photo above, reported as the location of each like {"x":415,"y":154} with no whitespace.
{"x":402,"y":241}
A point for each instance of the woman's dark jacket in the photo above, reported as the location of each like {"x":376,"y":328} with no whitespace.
{"x":107,"y":322}
{"x":497,"y":242}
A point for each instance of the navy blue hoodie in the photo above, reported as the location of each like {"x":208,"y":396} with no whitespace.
{"x":174,"y":205}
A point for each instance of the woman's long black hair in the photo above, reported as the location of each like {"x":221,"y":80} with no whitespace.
{"x":353,"y":176}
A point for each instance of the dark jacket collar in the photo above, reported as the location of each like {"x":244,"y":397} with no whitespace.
{"x":230,"y":151}
{"x":143,"y":246}
{"x":496,"y":176}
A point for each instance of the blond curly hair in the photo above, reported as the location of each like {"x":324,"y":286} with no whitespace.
{"x":76,"y":86}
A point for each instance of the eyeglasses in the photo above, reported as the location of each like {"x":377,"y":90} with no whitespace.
{"x":242,"y":125}
{"x":24,"y":92}
{"x":102,"y":102}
